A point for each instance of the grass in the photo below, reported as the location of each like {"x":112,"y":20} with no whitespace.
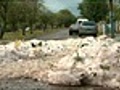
{"x":12,"y":36}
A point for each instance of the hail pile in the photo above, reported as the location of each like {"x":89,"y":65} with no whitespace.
{"x":94,"y":61}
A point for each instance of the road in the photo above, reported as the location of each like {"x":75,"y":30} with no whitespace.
{"x":64,"y":34}
{"x":61,"y":34}
{"x":30,"y":84}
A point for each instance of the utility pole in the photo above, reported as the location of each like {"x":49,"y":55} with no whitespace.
{"x":111,"y":18}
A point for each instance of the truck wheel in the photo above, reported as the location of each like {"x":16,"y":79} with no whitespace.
{"x":70,"y":33}
{"x":80,"y":35}
{"x":94,"y":35}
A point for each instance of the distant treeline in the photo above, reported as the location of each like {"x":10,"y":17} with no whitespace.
{"x":19,"y":14}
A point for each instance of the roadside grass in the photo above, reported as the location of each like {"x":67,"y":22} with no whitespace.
{"x":12,"y":36}
{"x":18,"y":34}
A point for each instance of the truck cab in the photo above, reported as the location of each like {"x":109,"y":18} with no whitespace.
{"x":74,"y":28}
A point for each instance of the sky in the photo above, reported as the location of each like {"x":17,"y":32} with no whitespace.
{"x":56,"y":5}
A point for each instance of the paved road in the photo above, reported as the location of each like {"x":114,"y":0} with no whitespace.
{"x":29,"y":84}
{"x":61,"y":34}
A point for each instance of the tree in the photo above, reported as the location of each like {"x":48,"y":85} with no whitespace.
{"x":47,"y":18}
{"x":4,"y":7}
{"x":18,"y":14}
{"x":65,"y":18}
{"x":28,"y":13}
{"x":34,"y":12}
{"x":117,"y":16}
{"x":44,"y":20}
{"x":13,"y":14}
{"x":117,"y":13}
{"x":52,"y":19}
{"x":94,"y":9}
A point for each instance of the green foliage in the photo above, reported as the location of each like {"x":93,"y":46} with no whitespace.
{"x":19,"y":14}
{"x":12,"y":36}
{"x":94,"y":9}
{"x":65,"y":18}
{"x":117,"y":13}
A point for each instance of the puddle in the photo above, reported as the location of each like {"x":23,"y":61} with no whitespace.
{"x":28,"y":84}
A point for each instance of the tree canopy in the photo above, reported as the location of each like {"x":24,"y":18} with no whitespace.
{"x":19,"y":14}
{"x":94,"y":9}
{"x":116,"y":12}
{"x":65,"y":17}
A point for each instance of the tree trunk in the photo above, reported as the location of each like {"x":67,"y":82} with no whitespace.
{"x":14,"y":27}
{"x":2,"y":31}
{"x":1,"y":34}
{"x":52,"y":26}
{"x":4,"y":17}
{"x":31,"y":29}
{"x":23,"y":31}
{"x":4,"y":27}
{"x":44,"y":27}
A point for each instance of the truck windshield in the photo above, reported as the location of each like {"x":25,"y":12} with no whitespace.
{"x":88,"y":23}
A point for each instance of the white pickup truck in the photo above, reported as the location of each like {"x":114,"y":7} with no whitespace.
{"x":74,"y":28}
